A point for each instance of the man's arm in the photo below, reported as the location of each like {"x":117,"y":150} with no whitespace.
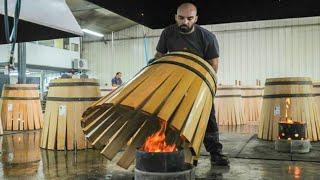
{"x":215,"y":64}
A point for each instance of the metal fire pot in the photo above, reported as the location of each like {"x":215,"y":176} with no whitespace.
{"x":162,"y":166}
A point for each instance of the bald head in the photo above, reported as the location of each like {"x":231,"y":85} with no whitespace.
{"x":186,"y":17}
{"x":187,"y":7}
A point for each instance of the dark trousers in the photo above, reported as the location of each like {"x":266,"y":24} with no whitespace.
{"x":211,"y":138}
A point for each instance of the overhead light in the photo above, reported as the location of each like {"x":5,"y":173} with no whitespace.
{"x":92,"y":32}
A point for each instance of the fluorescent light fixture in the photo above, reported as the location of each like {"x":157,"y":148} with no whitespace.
{"x":92,"y":32}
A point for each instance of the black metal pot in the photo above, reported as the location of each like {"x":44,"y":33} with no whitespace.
{"x":160,"y":161}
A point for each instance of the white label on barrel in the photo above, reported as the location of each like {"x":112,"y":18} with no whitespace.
{"x":10,"y":107}
{"x":62,"y":110}
{"x":276,"y":110}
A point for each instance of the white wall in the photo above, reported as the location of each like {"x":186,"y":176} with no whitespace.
{"x":43,"y":55}
{"x":50,"y":56}
{"x":5,"y":51}
{"x":248,"y":51}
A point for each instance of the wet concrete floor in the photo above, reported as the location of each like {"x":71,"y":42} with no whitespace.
{"x":21,"y":158}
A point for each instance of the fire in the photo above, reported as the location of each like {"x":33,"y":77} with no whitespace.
{"x":156,"y":142}
{"x":288,"y":102}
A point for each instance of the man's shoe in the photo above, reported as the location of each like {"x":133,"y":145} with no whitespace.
{"x":219,"y":160}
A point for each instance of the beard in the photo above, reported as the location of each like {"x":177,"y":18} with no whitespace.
{"x":185,"y":29}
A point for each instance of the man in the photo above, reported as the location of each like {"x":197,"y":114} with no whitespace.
{"x":185,"y":35}
{"x":116,"y":81}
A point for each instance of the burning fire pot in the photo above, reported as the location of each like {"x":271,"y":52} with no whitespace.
{"x":162,"y":166}
{"x":157,"y":159}
{"x":292,"y":135}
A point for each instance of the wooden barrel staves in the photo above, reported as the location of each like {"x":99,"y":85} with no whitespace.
{"x":252,"y":102}
{"x":316,"y":92}
{"x":177,"y":89}
{"x":21,"y":109}
{"x":1,"y":128}
{"x":292,"y":96}
{"x":228,"y":105}
{"x":66,"y":101}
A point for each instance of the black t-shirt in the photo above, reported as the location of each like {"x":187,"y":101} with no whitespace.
{"x":200,"y":42}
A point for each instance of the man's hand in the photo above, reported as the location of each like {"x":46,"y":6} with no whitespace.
{"x":158,"y":55}
{"x":214,"y":63}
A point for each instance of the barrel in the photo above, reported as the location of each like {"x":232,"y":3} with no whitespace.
{"x":1,"y":128}
{"x":228,"y":105}
{"x":66,"y":101}
{"x":21,"y":109}
{"x":105,"y":91}
{"x":291,"y":97}
{"x":177,"y":89}
{"x":252,"y":102}
{"x":316,"y":92}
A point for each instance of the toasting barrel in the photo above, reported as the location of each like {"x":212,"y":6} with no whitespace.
{"x":66,"y":101}
{"x":316,"y":92}
{"x":289,"y":97}
{"x":177,"y":88}
{"x":21,"y":109}
{"x":228,"y":105}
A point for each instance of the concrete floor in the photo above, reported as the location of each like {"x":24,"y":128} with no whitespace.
{"x":21,"y":158}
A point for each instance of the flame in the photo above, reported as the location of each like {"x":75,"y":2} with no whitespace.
{"x":288,"y":120}
{"x":288,"y":102}
{"x":156,"y":142}
{"x":296,"y":171}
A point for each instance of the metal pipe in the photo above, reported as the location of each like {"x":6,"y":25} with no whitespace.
{"x":22,"y":63}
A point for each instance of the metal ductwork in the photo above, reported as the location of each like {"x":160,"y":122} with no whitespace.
{"x":40,"y":20}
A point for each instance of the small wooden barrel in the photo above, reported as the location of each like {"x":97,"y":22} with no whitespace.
{"x":294,"y":96}
{"x":177,"y":89}
{"x":66,"y":101}
{"x":21,"y":108}
{"x":252,"y":102}
{"x":228,"y":105}
{"x":316,"y":92}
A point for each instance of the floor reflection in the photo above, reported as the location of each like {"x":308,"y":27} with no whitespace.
{"x":21,"y":158}
{"x":69,"y":163}
{"x":20,"y":154}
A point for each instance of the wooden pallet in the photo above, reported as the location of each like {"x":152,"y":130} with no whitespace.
{"x":177,"y":89}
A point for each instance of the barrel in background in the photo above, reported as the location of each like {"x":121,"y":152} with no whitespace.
{"x":228,"y":105}
{"x":66,"y":101}
{"x":21,"y":109}
{"x":277,"y":93}
{"x":252,"y":102}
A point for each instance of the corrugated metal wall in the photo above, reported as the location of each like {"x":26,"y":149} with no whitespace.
{"x":248,"y":51}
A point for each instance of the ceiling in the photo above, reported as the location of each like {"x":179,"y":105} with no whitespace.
{"x":160,"y":13}
{"x":39,"y":20}
{"x":98,"y":19}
